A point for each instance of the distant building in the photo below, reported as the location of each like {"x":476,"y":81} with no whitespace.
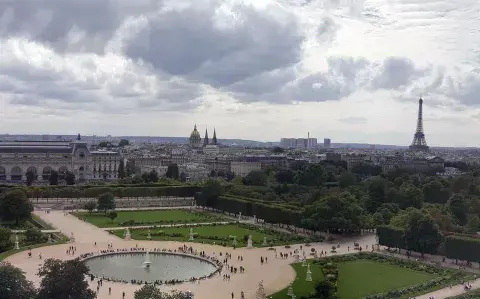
{"x":17,"y":158}
{"x":244,"y":168}
{"x":298,"y":142}
{"x":327,"y":143}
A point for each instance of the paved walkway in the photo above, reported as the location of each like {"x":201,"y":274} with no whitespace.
{"x":276,"y":274}
{"x":163,"y":225}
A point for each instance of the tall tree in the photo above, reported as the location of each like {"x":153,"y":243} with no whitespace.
{"x":211,"y":191}
{"x":457,"y":204}
{"x":14,"y":284}
{"x":422,"y":233}
{"x":14,"y":204}
{"x":64,"y":280}
{"x":90,"y":206}
{"x":106,"y":202}
{"x":30,"y":177}
{"x":172,"y":172}
{"x":70,"y":178}
{"x":285,"y":176}
{"x":53,"y":179}
{"x":5,"y":239}
{"x":123,"y":142}
{"x":255,"y":178}
{"x":121,"y":169}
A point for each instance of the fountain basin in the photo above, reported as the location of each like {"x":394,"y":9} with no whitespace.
{"x":163,"y":266}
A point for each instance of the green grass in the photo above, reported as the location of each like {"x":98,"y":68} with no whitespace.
{"x":300,"y":286}
{"x":148,"y":217}
{"x":221,"y":231}
{"x":361,"y":278}
{"x":357,"y":279}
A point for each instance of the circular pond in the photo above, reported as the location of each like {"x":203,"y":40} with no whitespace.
{"x":162,"y":266}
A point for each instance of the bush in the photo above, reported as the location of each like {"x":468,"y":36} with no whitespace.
{"x":34,"y":236}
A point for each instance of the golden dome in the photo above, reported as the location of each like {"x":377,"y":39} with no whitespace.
{"x":195,"y":134}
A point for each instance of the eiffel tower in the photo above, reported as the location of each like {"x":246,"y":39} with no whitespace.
{"x":419,"y":143}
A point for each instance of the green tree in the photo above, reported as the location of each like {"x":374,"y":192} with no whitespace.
{"x":64,"y":279}
{"x":172,"y":172}
{"x":285,"y":176}
{"x":435,"y":192}
{"x":70,"y":178}
{"x":53,"y":178}
{"x":377,"y":193}
{"x":14,"y":204}
{"x":123,"y":142}
{"x":255,"y":178}
{"x":457,"y":204}
{"x":106,"y":201}
{"x":410,"y":196}
{"x":311,"y":175}
{"x":90,"y":206}
{"x":5,"y":239}
{"x":324,"y":289}
{"x":422,"y":233}
{"x":229,"y":175}
{"x":211,"y":191}
{"x":112,"y":215}
{"x":346,"y":179}
{"x":473,"y":224}
{"x":30,"y":177}
{"x":130,"y":168}
{"x":121,"y":169}
{"x":153,"y":176}
{"x":334,"y":212}
{"x":14,"y":284}
{"x":34,"y":235}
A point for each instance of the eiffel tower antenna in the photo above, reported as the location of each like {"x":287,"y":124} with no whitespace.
{"x":419,"y":143}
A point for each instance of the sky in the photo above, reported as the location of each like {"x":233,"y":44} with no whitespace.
{"x":349,"y":70}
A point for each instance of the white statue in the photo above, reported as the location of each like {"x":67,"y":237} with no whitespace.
{"x":128,"y":236}
{"x":239,"y":216}
{"x":254,"y":218}
{"x":309,"y":273}
{"x":72,"y":238}
{"x":191,"y":235}
{"x":149,"y":236}
{"x":261,"y":291}
{"x":17,"y":244}
{"x":235,"y":243}
{"x":249,"y":242}
{"x":264,"y":241}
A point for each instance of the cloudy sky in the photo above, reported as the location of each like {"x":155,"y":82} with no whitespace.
{"x":351,"y":70}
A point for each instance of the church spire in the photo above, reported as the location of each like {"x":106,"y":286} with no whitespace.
{"x":205,"y":140}
{"x":214,"y":139}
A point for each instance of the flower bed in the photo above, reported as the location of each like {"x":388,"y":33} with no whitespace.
{"x":329,"y":268}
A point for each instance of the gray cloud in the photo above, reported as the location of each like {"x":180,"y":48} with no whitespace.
{"x":191,"y":43}
{"x":396,"y":72}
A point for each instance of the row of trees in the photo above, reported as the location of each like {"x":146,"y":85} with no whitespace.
{"x":93,"y":192}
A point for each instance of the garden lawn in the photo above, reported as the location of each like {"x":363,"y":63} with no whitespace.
{"x":148,"y":217}
{"x":221,"y":231}
{"x":361,"y":278}
{"x":300,"y":286}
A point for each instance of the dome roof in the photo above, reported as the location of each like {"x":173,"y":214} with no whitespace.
{"x":195,"y":134}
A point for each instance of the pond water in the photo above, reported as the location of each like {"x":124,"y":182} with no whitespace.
{"x":163,"y":266}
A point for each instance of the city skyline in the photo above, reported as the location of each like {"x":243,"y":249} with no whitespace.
{"x":351,"y":71}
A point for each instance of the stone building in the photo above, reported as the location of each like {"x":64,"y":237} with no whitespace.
{"x":42,"y":157}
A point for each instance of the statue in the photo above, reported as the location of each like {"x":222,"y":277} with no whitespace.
{"x":239,"y":216}
{"x":249,"y":242}
{"x":17,"y":244}
{"x":309,"y":273}
{"x":261,"y":291}
{"x":72,"y":238}
{"x":290,"y":290}
{"x":149,"y":236}
{"x":264,"y":241}
{"x":128,"y":236}
{"x":191,"y":235}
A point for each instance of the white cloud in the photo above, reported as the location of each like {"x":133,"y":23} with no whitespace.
{"x":153,"y":67}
